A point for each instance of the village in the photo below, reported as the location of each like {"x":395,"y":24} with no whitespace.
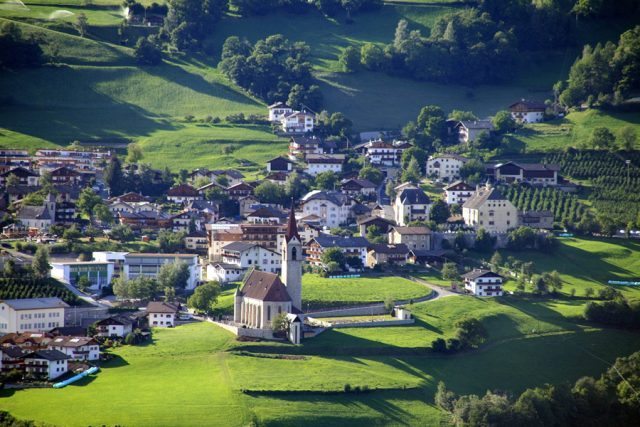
{"x":234,"y":230}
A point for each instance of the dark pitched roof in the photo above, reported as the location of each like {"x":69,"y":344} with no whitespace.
{"x":375,"y":219}
{"x":116,"y":320}
{"x":161,"y":307}
{"x":35,"y":303}
{"x":268,"y":212}
{"x":362,"y":183}
{"x":19,"y":172}
{"x":529,"y":105}
{"x":459,"y":186}
{"x":412,"y":230}
{"x":292,"y":226}
{"x":50,"y":355}
{"x":328,"y":241}
{"x":34,"y":212}
{"x":414,"y":196}
{"x":238,"y":246}
{"x":182,"y":190}
{"x":384,"y":248}
{"x":475,"y":273}
{"x":264,"y":286}
{"x":477,"y":124}
{"x":482,"y":196}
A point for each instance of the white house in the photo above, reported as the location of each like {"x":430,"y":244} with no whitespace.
{"x":411,"y":204}
{"x":99,"y":273}
{"x":468,"y":131}
{"x":488,"y":208}
{"x":117,"y":258}
{"x":381,"y":153}
{"x":349,"y":246}
{"x":119,"y":326}
{"x":183,"y":193}
{"x":458,"y":192}
{"x":47,"y":363}
{"x":278,"y":110}
{"x":318,"y":163}
{"x":331,"y":207}
{"x":76,"y":348}
{"x":483,"y":283}
{"x":298,"y":122}
{"x":445,"y":166}
{"x":149,"y":265}
{"x":525,"y":111}
{"x":31,"y":314}
{"x":162,"y":314}
{"x":238,"y":258}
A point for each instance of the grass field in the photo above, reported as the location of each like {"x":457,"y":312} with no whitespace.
{"x":186,"y":377}
{"x":322,"y":292}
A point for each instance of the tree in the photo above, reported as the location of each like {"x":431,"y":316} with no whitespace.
{"x":147,"y":53}
{"x":204,"y":297}
{"x":375,"y":234}
{"x":81,"y":24}
{"x":372,"y":174}
{"x":173,"y":275}
{"x":450,"y":271}
{"x":294,"y":187}
{"x":170,"y":242}
{"x":279,"y":323}
{"x":627,"y":137}
{"x":588,"y":292}
{"x":83,"y":283}
{"x":503,"y":122}
{"x":553,"y":280}
{"x":269,"y":192}
{"x":471,"y":333}
{"x":496,"y":261}
{"x":333,"y":255}
{"x":326,"y":180}
{"x":372,"y":57}
{"x":102,"y":213}
{"x":87,"y":201}
{"x":602,"y":138}
{"x":444,"y":398}
{"x":413,"y":172}
{"x":473,"y":171}
{"x":121,"y":232}
{"x":134,"y":153}
{"x":462,"y":115}
{"x":114,"y":178}
{"x":71,"y":234}
{"x":349,"y":59}
{"x":17,"y":51}
{"x":430,"y":126}
{"x":190,"y":21}
{"x":169,"y":293}
{"x":439,"y":212}
{"x":415,"y":152}
{"x":485,"y":242}
{"x":12,"y":181}
{"x":40,"y":264}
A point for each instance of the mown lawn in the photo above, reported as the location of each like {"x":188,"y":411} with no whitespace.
{"x":324,"y":292}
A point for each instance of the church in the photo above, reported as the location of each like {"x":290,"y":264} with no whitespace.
{"x":264,"y":295}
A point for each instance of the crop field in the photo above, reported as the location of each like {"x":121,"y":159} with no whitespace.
{"x":210,"y":386}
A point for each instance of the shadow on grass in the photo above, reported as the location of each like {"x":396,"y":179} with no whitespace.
{"x":116,"y":362}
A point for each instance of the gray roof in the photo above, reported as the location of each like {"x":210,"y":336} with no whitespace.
{"x":161,"y":307}
{"x":482,"y":196}
{"x":477,"y":124}
{"x":414,"y":196}
{"x":474,"y":274}
{"x":35,"y":303}
{"x":238,"y":246}
{"x":463,"y":186}
{"x":335,"y":197}
{"x":34,"y":212}
{"x":384,"y":248}
{"x":328,"y":241}
{"x":46,"y":355}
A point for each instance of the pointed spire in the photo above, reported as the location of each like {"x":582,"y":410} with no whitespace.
{"x":292,"y":226}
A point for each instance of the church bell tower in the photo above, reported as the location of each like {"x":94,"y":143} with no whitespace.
{"x":292,"y":258}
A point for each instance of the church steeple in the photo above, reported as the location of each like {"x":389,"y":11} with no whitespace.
{"x":292,"y":226}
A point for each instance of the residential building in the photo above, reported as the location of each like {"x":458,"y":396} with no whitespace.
{"x":332,"y":207}
{"x":488,"y":208}
{"x":381,"y":153}
{"x":536,"y":219}
{"x":349,"y":246}
{"x":196,"y":241}
{"x":162,"y":314}
{"x":267,"y":215}
{"x":278,"y":110}
{"x":533,"y":173}
{"x":483,"y":283}
{"x":145,"y":219}
{"x":25,"y":177}
{"x":387,"y":254}
{"x":354,"y":187}
{"x":149,"y":265}
{"x":240,"y":190}
{"x":469,"y":130}
{"x":318,"y":163}
{"x":183,"y":193}
{"x":185,"y":220}
{"x":99,"y":273}
{"x":118,"y":326}
{"x":37,"y":217}
{"x":384,"y":225}
{"x":298,"y":122}
{"x":239,"y":257}
{"x":49,"y":364}
{"x":415,"y":238}
{"x":301,"y":146}
{"x":445,"y":166}
{"x":458,"y":192}
{"x":31,"y":314}
{"x":280,"y":164}
{"x":411,"y":204}
{"x":527,"y":111}
{"x":66,"y":175}
{"x":76,"y":348}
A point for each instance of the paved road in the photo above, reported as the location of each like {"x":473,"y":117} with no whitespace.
{"x":440,"y":291}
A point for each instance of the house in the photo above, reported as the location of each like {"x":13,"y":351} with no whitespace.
{"x":76,"y":348}
{"x":488,"y":208}
{"x":65,"y":212}
{"x":318,"y":163}
{"x":355,"y":187}
{"x":384,"y":225}
{"x":238,"y":258}
{"x":149,"y":265}
{"x":332,"y":207}
{"x":185,"y":220}
{"x":267,"y":215}
{"x":411,"y":204}
{"x":162,"y":314}
{"x":381,"y":153}
{"x":298,"y":121}
{"x":129,"y":197}
{"x":445,"y":166}
{"x":25,"y":177}
{"x":458,"y":192}
{"x":279,"y":177}
{"x":349,"y":246}
{"x":183,"y":193}
{"x":11,"y":357}
{"x":66,"y":175}
{"x":240,"y":190}
{"x":118,"y":326}
{"x":532,"y":173}
{"x":415,"y":238}
{"x":98,"y":273}
{"x":483,"y":283}
{"x":301,"y":146}
{"x":31,"y":314}
{"x":209,"y":210}
{"x":49,"y":364}
{"x":524,"y":111}
{"x":279,"y":164}
{"x":145,"y":219}
{"x":387,"y":254}
{"x":536,"y":219}
{"x":468,"y":131}
{"x":37,"y":217}
{"x":196,"y":241}
{"x":264,"y":295}
{"x":278,"y":110}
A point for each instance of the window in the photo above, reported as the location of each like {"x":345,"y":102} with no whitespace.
{"x":268,"y":312}
{"x":294,"y":253}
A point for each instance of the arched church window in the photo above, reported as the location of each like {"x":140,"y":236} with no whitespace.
{"x":294,"y":254}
